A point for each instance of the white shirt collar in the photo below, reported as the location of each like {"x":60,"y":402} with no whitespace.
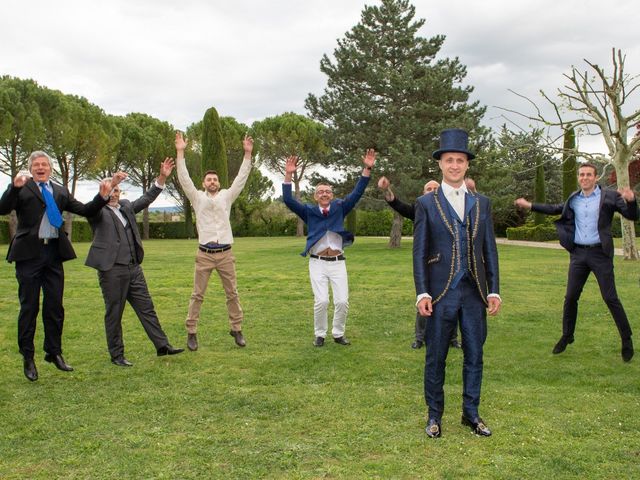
{"x":448,"y":190}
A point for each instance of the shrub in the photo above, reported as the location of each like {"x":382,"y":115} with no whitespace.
{"x":536,"y":233}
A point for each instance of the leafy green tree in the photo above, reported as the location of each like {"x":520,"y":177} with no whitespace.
{"x":21,"y":128}
{"x":214,"y":155}
{"x":386,"y":90}
{"x":253,"y":199}
{"x":569,"y":164}
{"x":145,"y":143}
{"x":75,"y":136}
{"x":291,"y":134}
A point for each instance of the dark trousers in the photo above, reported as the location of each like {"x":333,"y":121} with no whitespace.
{"x":43,"y":273}
{"x":582,"y":262}
{"x":121,"y":284}
{"x":421,"y":323}
{"x":462,"y":304}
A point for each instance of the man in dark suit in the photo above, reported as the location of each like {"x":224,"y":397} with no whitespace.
{"x":326,"y":239}
{"x":116,"y":252}
{"x":407,"y":210}
{"x":584,"y":229}
{"x":39,"y":248}
{"x":455,"y":269}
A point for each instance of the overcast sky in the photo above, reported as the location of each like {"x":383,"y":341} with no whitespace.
{"x":255,"y":59}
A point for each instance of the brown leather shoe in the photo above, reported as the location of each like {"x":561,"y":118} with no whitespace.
{"x":240,"y":341}
{"x":192,"y":342}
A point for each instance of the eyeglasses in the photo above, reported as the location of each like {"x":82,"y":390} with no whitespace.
{"x":322,"y":192}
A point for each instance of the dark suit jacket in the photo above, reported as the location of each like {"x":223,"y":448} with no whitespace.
{"x":104,"y":248}
{"x":317,"y":224}
{"x":407,"y":210}
{"x":433,"y":240}
{"x":610,"y":201}
{"x":29,"y":205}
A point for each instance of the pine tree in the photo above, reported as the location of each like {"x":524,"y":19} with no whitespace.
{"x":386,"y":90}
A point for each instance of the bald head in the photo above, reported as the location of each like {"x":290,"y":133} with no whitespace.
{"x":430,"y":186}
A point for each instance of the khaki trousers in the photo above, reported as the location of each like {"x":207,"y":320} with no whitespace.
{"x":225,"y":264}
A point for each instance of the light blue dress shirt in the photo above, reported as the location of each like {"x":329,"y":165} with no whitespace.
{"x":586,"y":210}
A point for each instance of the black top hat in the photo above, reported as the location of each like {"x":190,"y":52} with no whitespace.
{"x":454,"y":140}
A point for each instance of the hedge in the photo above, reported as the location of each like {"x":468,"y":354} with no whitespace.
{"x":533,"y":233}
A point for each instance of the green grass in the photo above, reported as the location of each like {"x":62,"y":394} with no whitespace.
{"x":282,"y":409}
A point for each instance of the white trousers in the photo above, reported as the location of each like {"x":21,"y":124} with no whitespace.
{"x":323,"y":273}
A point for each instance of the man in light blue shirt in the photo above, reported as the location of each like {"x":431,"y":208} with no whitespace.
{"x":584,"y":229}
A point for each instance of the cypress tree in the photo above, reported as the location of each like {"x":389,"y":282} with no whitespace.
{"x":214,"y":153}
{"x":569,"y":164}
{"x":540,"y":194}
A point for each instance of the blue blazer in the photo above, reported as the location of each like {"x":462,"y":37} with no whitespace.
{"x":433,"y":245}
{"x":610,"y":201}
{"x":317,"y":224}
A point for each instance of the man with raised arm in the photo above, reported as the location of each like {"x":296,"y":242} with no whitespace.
{"x":584,"y":228}
{"x":212,"y":207}
{"x":116,"y":252}
{"x":326,"y":240}
{"x":39,"y":248}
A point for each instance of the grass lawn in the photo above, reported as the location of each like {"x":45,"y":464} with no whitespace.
{"x":281,"y":408}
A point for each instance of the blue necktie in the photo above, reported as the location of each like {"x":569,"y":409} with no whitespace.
{"x":53,"y":214}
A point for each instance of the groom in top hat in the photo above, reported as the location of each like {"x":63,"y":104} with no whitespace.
{"x":455,"y":269}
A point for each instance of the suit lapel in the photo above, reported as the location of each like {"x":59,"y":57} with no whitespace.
{"x":469,"y":202}
{"x":35,"y":188}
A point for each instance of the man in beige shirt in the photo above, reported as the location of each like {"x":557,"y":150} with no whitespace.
{"x":212,"y":207}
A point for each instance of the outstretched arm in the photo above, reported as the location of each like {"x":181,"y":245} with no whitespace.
{"x":287,"y":196}
{"x":245,"y":169}
{"x":183,"y":174}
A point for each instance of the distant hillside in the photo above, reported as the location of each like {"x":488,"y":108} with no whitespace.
{"x":168,"y":209}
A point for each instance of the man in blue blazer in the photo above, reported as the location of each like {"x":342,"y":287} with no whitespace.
{"x":584,"y":229}
{"x":326,"y":239}
{"x":455,"y":269}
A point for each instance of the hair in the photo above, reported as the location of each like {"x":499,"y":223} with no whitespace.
{"x":322,"y":184}
{"x":37,"y":154}
{"x":210,"y":172}
{"x":589,"y":165}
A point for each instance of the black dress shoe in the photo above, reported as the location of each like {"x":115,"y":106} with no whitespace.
{"x":58,"y":361}
{"x":417,"y":344}
{"x":318,"y":342}
{"x":169,"y":350}
{"x":562,"y":344}
{"x":477,"y":426}
{"x":192,"y":342}
{"x":121,"y":362}
{"x":342,"y":340}
{"x":627,"y":349}
{"x":30,"y":369}
{"x":455,"y":343}
{"x":433,"y":429}
{"x":238,"y":338}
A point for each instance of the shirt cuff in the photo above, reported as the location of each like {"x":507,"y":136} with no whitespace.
{"x":421,"y":296}
{"x":161,"y":187}
{"x":495,"y":295}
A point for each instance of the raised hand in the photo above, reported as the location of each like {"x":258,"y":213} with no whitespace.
{"x":181,"y":143}
{"x":370,"y":158}
{"x":166,"y":167}
{"x":292,"y":164}
{"x":383,"y":183}
{"x":522,"y":203}
{"x":247,"y":145}
{"x":627,"y":194}
{"x":21,"y":179}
